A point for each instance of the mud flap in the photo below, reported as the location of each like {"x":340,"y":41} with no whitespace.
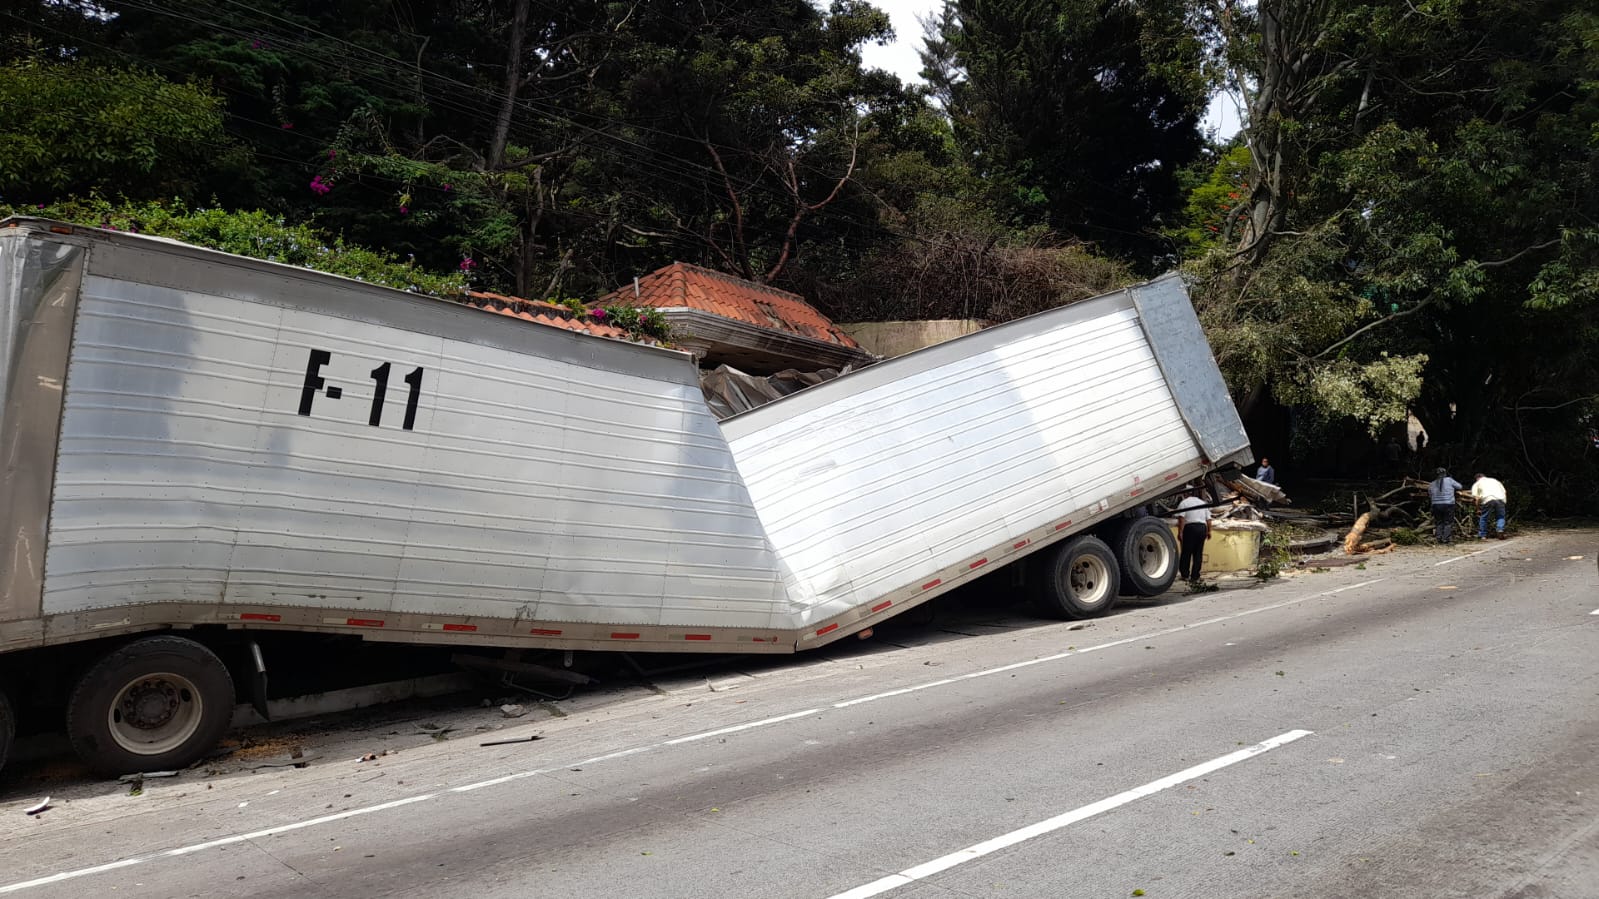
{"x":258,"y":681}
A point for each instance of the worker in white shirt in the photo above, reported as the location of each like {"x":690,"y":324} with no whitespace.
{"x":1489,"y":495}
{"x":1194,"y":516}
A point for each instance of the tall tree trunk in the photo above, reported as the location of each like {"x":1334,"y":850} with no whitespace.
{"x":513,"y":81}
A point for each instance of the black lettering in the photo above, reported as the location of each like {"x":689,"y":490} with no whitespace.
{"x":380,"y":375}
{"x":313,"y":378}
{"x":415,"y":380}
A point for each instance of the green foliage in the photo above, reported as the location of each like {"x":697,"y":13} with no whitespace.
{"x":637,"y":321}
{"x":1405,"y":536}
{"x":256,"y":234}
{"x":1079,"y":113}
{"x":71,"y":128}
{"x":1273,"y":557}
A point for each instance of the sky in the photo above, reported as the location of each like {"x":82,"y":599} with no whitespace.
{"x":901,"y":57}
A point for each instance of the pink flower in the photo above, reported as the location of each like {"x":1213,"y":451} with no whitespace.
{"x":288,"y":126}
{"x":256,"y":45}
{"x":320,"y":187}
{"x":467,"y":264}
{"x":333,"y":154}
{"x":597,"y":313}
{"x":446,"y":187}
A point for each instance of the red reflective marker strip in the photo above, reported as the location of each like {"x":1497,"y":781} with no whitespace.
{"x":978,"y":564}
{"x":932,"y":583}
{"x":259,"y":616}
{"x":882,"y":605}
{"x":1063,"y":525}
{"x":696,"y":636}
{"x":1021,"y":544}
{"x":624,"y":636}
{"x":1172,"y":476}
{"x":544,"y":632}
{"x":830,"y":628}
{"x":1135,"y":492}
{"x":460,"y":627}
{"x":364,"y":622}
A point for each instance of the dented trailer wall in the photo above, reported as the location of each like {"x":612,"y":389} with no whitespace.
{"x":256,"y":445}
{"x":893,"y":484}
{"x":253,"y":445}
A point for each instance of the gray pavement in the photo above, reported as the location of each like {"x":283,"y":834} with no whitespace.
{"x":1452,"y":705}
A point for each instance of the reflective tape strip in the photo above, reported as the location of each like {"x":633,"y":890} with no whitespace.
{"x":696,"y":636}
{"x":468,"y":628}
{"x":1020,"y":544}
{"x":1172,"y":476}
{"x":624,"y":636}
{"x":757,"y":639}
{"x":544,"y":632}
{"x":882,"y":605}
{"x":932,"y":583}
{"x":978,"y":564}
{"x":826,"y":630}
{"x":259,"y":616}
{"x":1063,"y":525}
{"x":354,"y":622}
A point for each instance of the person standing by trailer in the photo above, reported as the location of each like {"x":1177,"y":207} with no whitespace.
{"x":1489,"y":495}
{"x":1266,"y":473}
{"x":1194,"y":517}
{"x":1442,"y":492}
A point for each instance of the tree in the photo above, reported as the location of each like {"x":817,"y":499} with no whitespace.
{"x":1080,"y":112}
{"x":70,"y":127}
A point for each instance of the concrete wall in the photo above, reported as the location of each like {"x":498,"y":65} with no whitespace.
{"x":890,"y":339}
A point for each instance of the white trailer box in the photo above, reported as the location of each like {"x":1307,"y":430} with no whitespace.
{"x":205,"y":443}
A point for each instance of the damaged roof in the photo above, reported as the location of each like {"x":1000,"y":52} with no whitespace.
{"x":543,"y":313}
{"x":681,"y":285}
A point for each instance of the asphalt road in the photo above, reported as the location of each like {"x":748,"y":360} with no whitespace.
{"x":1428,"y":727}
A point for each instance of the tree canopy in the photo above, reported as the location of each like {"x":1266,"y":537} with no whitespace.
{"x":1407,"y":223}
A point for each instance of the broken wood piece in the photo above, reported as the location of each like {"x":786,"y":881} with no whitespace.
{"x":1352,"y":539}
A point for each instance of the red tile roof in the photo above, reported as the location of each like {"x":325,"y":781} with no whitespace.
{"x":682,"y":285}
{"x":544,"y":313}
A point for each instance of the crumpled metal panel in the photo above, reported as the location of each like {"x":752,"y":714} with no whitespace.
{"x":38,"y":296}
{"x":236,"y":432}
{"x":869,"y":483}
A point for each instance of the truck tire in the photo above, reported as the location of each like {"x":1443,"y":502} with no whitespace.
{"x":8,"y":728}
{"x":156,"y":704}
{"x":1078,"y":579}
{"x":1147,"y":553}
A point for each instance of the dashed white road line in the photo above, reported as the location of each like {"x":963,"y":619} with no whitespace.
{"x":970,"y":853}
{"x":1594,"y":612}
{"x":1458,"y":558}
{"x":676,"y":741}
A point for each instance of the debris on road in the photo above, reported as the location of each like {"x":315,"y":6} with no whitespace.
{"x":513,"y":711}
{"x":131,"y":778}
{"x":508,"y":742}
{"x":37,"y":807}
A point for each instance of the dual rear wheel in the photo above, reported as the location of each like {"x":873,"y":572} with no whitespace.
{"x":1084,"y":576}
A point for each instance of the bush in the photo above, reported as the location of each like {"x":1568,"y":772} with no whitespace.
{"x":1273,"y":556}
{"x":255,"y":234}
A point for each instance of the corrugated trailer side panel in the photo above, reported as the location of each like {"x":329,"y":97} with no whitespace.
{"x":241,"y":434}
{"x":900,"y":479}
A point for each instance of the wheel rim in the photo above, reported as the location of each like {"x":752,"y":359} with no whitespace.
{"x":1089,"y":579}
{"x":155,"y":713}
{"x":1153,"y":555}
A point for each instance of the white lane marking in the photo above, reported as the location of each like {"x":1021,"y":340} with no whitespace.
{"x":1114,"y":643}
{"x":521,"y":775}
{"x":1594,"y":612}
{"x":1458,"y":558}
{"x":944,"y":863}
{"x":68,"y":875}
{"x":212,"y":844}
{"x":738,"y":727}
